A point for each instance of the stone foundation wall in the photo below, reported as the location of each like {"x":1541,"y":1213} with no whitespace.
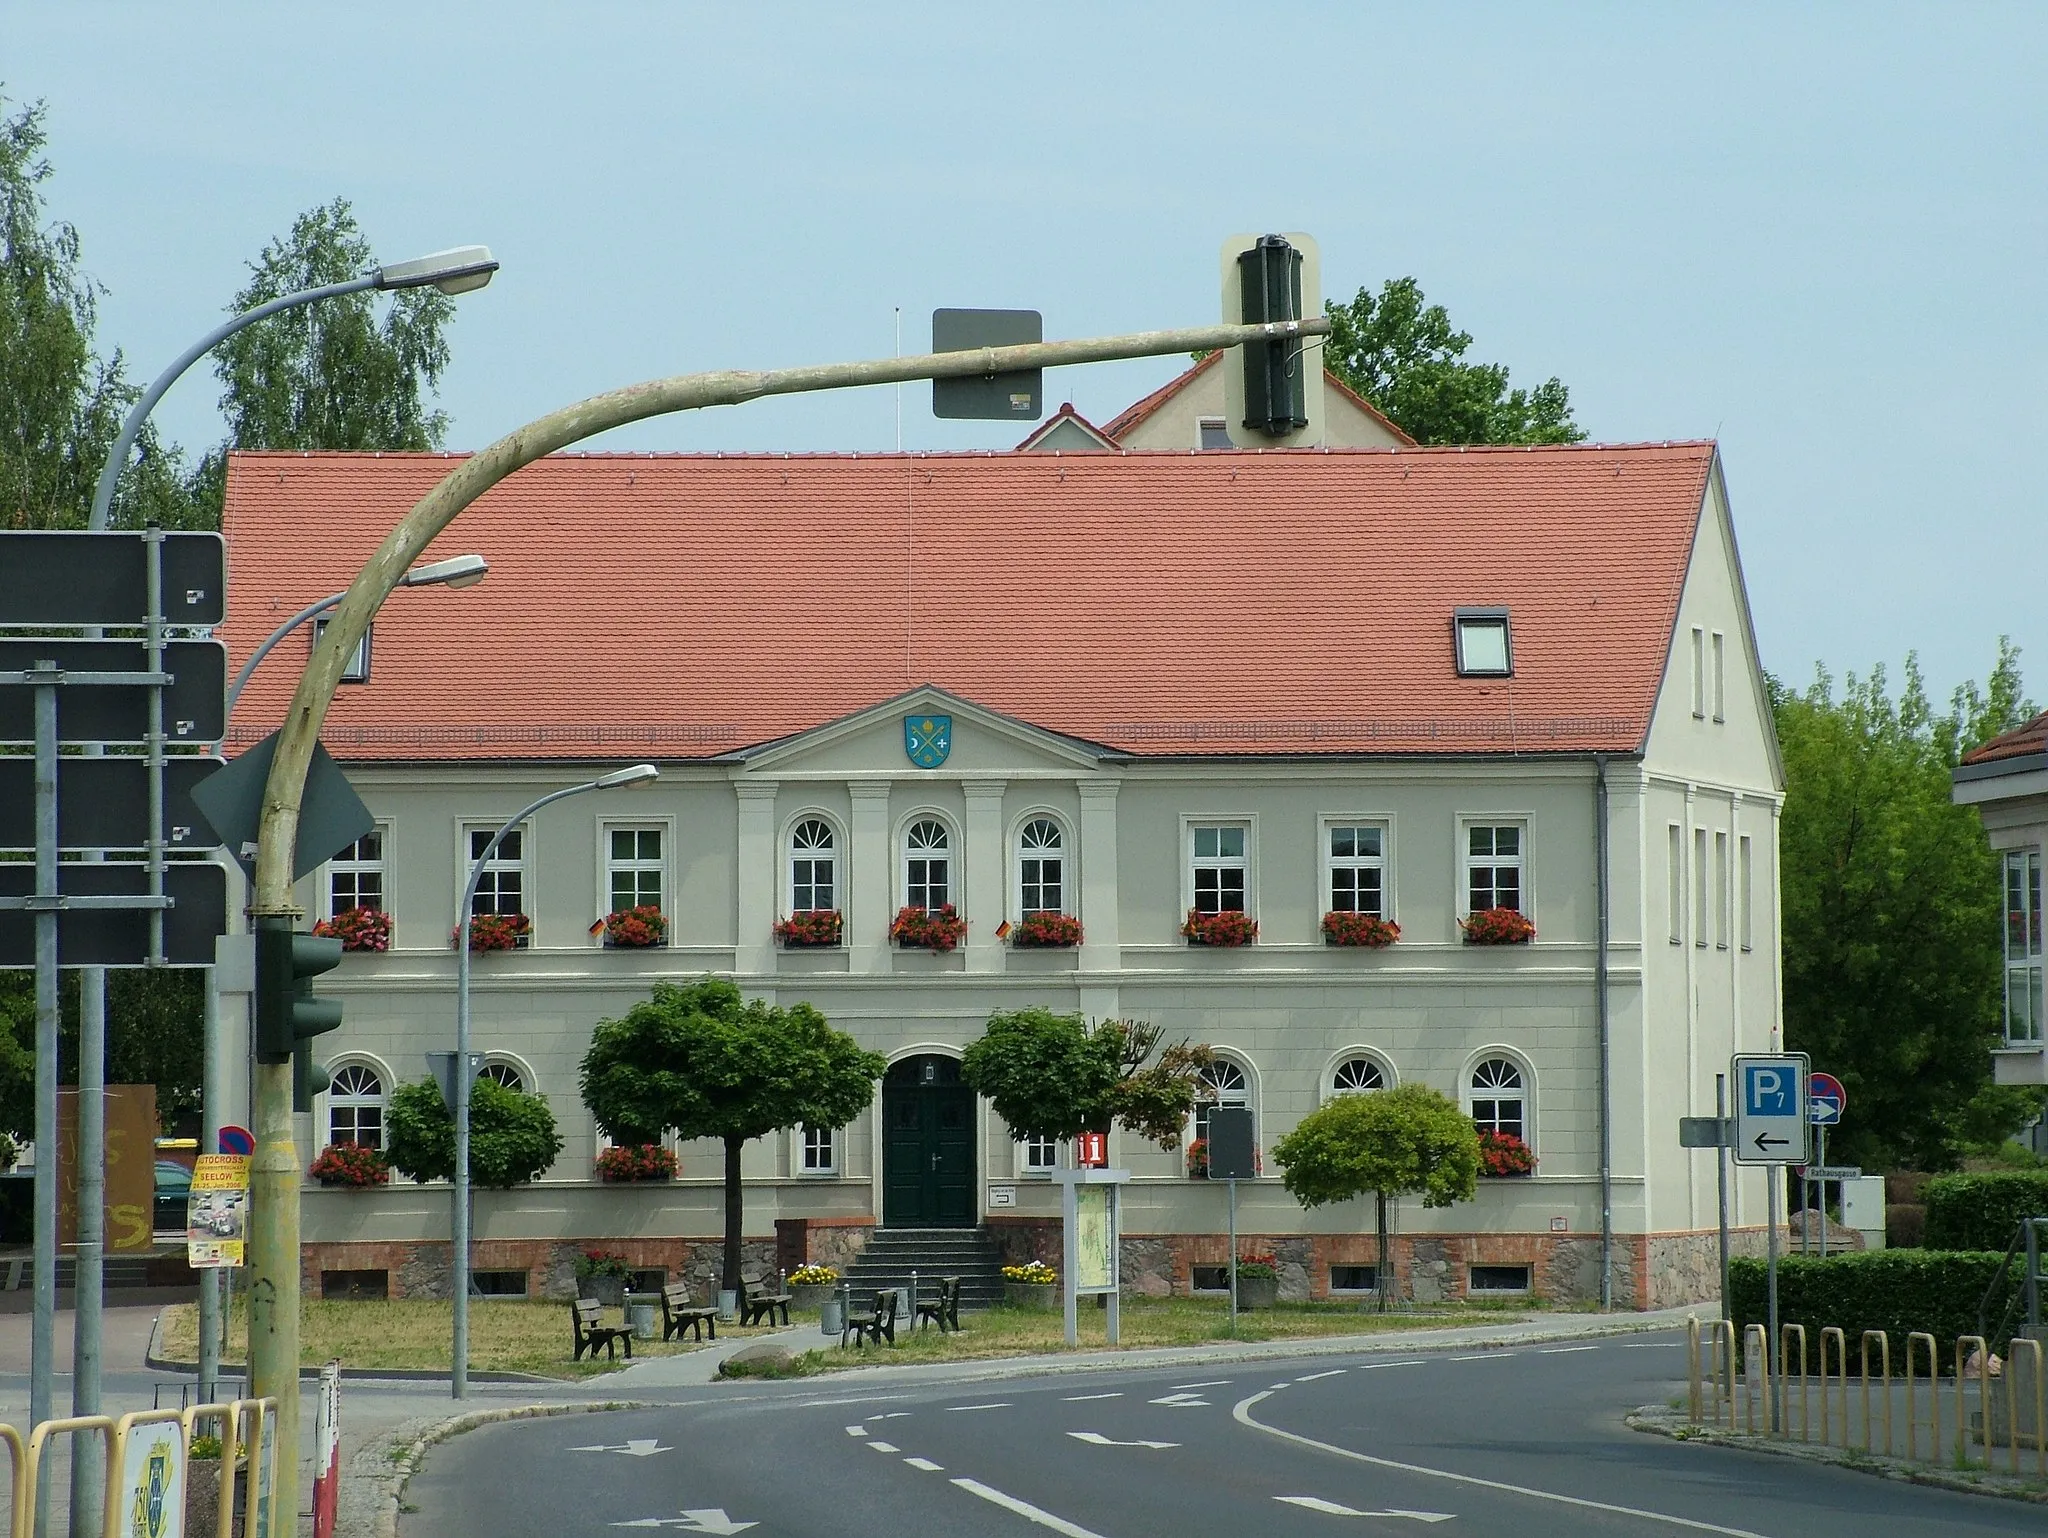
{"x":423,"y":1270}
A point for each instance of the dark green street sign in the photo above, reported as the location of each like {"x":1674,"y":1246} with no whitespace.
{"x":62,"y":578}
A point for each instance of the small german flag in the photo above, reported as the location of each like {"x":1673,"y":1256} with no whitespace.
{"x":1003,"y":930}
{"x":596,"y":925}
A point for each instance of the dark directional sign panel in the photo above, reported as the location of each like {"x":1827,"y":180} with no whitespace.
{"x":1232,"y":1155}
{"x":117,"y":937}
{"x":49,"y":578}
{"x":1013,"y":397}
{"x":103,"y":803}
{"x":195,"y":704}
{"x":331,"y":815}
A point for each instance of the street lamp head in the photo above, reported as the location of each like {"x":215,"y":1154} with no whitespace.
{"x":456,"y":571}
{"x":636,"y":775}
{"x":452,"y":272}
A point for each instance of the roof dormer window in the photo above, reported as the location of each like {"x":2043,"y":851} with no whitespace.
{"x":1485,"y":649}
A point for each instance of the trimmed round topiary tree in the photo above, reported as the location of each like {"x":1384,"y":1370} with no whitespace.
{"x":512,"y":1136}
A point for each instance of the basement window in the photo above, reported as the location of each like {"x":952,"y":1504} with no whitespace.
{"x":1211,"y":1279}
{"x":497,"y":1284}
{"x":356,"y":1286}
{"x":1485,"y":649}
{"x":1499,"y":1279}
{"x":1354,"y":1278}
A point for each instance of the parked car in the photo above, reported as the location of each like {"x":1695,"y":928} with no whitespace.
{"x":173,"y":1185}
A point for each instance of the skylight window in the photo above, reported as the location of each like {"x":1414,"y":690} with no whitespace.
{"x":1485,"y":649}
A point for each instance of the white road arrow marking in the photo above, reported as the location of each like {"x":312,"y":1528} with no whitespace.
{"x":1182,"y":1401}
{"x":1100,"y":1440}
{"x":1205,"y":1383}
{"x":1332,"y":1508}
{"x":638,"y":1447}
{"x":704,"y":1519}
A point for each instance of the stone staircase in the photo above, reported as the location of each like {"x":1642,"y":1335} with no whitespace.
{"x":892,"y":1254}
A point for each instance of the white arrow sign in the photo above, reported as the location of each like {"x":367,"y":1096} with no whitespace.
{"x":1099,"y":1440}
{"x":1182,"y":1401}
{"x":638,"y":1447}
{"x":1332,"y":1508}
{"x":708,"y":1519}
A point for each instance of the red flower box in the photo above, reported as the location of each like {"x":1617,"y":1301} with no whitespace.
{"x":632,"y":928}
{"x":1051,"y":931}
{"x":1359,"y":929}
{"x":350,"y":1164}
{"x":640,"y":1161}
{"x":358,"y":929}
{"x":1502,"y":1155}
{"x":1498,"y":926}
{"x":496,"y":931}
{"x":937,"y":932}
{"x":1226,"y":928}
{"x":812,"y":926}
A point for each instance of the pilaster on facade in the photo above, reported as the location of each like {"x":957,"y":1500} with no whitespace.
{"x":1100,"y":948}
{"x":867,"y":905}
{"x":755,"y":877}
{"x":982,"y":886}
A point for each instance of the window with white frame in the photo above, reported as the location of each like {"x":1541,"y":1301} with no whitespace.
{"x":355,"y":877}
{"x":1497,"y":1103}
{"x":356,"y":1099}
{"x":633,"y":868}
{"x":2023,"y":961}
{"x":1227,"y":1085}
{"x":813,"y":867}
{"x":1674,"y":896}
{"x":820,"y":1151}
{"x":1036,"y":1155}
{"x":1746,"y":862}
{"x":498,"y":1071}
{"x":927,"y":865}
{"x":1356,"y":860}
{"x":1357,"y":1074}
{"x":501,"y":888}
{"x":1493,"y":866}
{"x":1217,"y":857}
{"x":1041,"y":867}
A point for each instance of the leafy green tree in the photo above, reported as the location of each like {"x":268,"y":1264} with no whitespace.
{"x":1404,"y":356}
{"x":699,"y":1061}
{"x":1386,"y":1144}
{"x":512,"y":1136}
{"x":1053,"y":1076}
{"x":1892,"y":913}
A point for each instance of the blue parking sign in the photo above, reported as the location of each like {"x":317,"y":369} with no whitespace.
{"x":1771,"y":1124}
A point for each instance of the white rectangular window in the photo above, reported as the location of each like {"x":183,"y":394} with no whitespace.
{"x":1675,"y":892}
{"x":2024,"y":1024}
{"x":633,"y":868}
{"x":502,"y":886}
{"x":1493,"y":866}
{"x":357,"y":669}
{"x":1218,"y":865}
{"x":1720,"y":676}
{"x":1699,"y":886}
{"x":1699,"y":673}
{"x":1036,"y":1155}
{"x":1746,"y":860}
{"x":1485,"y":644}
{"x":821,"y":1151}
{"x":355,"y":877}
{"x":1722,"y":896}
{"x":1356,"y":855}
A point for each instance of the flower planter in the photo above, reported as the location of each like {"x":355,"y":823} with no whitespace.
{"x":938,"y":931}
{"x":1258,"y":1291}
{"x":809,"y":1295}
{"x":630,"y":929}
{"x":1033,"y":1295}
{"x":1226,"y":930}
{"x":496,"y":932}
{"x":1498,"y":926}
{"x":812,"y":929}
{"x":358,"y":929}
{"x":1360,"y":930}
{"x":1046,"y":931}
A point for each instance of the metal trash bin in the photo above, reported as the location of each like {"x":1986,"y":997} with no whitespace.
{"x":640,"y":1316}
{"x":832,"y":1316}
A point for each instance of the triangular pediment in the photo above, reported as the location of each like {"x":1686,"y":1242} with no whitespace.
{"x":964,"y":738}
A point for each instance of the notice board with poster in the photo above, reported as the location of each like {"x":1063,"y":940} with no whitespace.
{"x":217,"y":1212}
{"x":131,"y":1167}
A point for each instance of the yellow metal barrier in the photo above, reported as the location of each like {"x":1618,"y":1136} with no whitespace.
{"x":2012,"y":1418}
{"x":1785,"y":1334}
{"x":1884,"y":1347}
{"x":1842,"y":1376}
{"x":39,"y":1440}
{"x":261,"y":1416}
{"x":1722,"y":1361}
{"x":224,"y":1474}
{"x":1934,"y":1394}
{"x":1983,"y":1353}
{"x":18,"y":1513}
{"x":1760,"y":1387}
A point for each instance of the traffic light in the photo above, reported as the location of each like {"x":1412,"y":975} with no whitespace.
{"x":287,"y":1014}
{"x":1275,"y":393}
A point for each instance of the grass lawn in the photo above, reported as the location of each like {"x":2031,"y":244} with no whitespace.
{"x":505,"y":1335}
{"x":997,"y":1332}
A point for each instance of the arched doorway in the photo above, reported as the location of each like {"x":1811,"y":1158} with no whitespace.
{"x":927,"y":1145}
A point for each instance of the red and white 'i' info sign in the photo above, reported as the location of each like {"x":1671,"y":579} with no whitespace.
{"x":327,"y":1451}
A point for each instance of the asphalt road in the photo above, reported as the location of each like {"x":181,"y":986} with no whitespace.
{"x":1526,"y":1442}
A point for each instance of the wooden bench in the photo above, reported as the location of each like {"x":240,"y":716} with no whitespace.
{"x":878,"y":1325}
{"x":678,"y":1314}
{"x":590,"y":1332}
{"x":758,"y":1303}
{"x":944,"y":1310}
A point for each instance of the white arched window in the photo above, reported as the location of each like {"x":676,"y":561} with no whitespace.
{"x":813,"y":867}
{"x":1498,"y":1103}
{"x":1228,"y":1086}
{"x":1356,"y":1074}
{"x":500,"y":1072}
{"x":355,"y":1106}
{"x":927,"y":865}
{"x":1041,"y":868}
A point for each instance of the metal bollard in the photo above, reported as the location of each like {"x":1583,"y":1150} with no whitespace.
{"x":1785,"y":1333}
{"x":1842,"y":1373}
{"x":2012,"y":1418}
{"x":1983,"y":1395}
{"x":1884,"y":1346}
{"x":1934,"y":1384}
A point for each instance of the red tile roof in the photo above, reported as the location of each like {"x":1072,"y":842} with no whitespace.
{"x":2017,"y":743}
{"x":1134,"y":414}
{"x":1295,"y":601}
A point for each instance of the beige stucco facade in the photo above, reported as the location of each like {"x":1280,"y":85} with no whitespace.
{"x":1177,"y":422}
{"x":2011,"y":797}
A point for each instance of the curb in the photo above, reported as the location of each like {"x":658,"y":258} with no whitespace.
{"x":1661,"y":1421}
{"x":402,"y":1469}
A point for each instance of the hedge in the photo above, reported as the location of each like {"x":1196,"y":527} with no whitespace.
{"x":1981,"y":1212}
{"x":1897,"y":1291}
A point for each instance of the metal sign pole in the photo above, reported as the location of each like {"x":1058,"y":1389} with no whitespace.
{"x":1774,"y":1175}
{"x":1820,"y":1187}
{"x":1233,"y":1256}
{"x":1721,"y":1177}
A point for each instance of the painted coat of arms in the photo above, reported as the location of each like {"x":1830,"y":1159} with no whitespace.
{"x":151,"y":1517}
{"x":927,"y":739}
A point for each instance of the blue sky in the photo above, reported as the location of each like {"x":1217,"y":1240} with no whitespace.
{"x":1816,"y":232}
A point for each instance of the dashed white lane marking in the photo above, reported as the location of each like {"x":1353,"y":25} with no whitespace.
{"x":1311,"y":1377}
{"x":1078,"y":1398}
{"x":1002,"y":1404}
{"x":1483,"y":1356}
{"x":1376,"y":1366}
{"x":822,"y":1404}
{"x":1332,"y":1508}
{"x":856,"y":1431}
{"x":890,"y":1415}
{"x":926,"y":1464}
{"x":1025,"y":1509}
{"x":1564,"y":1350}
{"x":1205,"y":1383}
{"x":1242,"y":1413}
{"x":1099,"y":1440}
{"x":1651,"y":1345}
{"x":885,"y":1447}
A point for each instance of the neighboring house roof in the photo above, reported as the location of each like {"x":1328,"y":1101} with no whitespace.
{"x":1069,"y":431}
{"x":1134,"y":415}
{"x":1283,"y":602}
{"x":2020,"y":742}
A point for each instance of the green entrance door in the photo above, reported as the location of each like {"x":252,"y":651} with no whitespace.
{"x":927,"y":1145}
